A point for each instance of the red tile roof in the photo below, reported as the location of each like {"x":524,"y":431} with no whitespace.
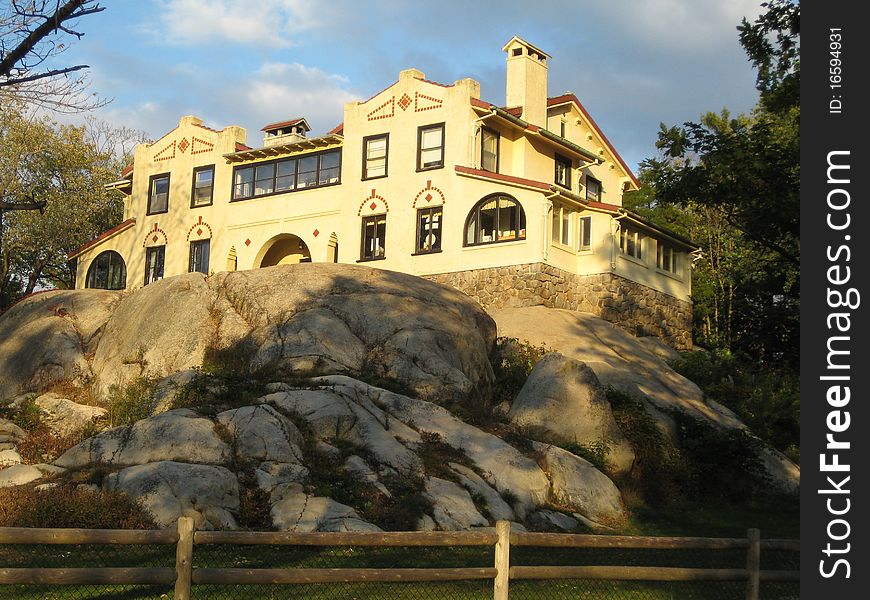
{"x":516,"y":111}
{"x":565,"y":98}
{"x":338,"y":129}
{"x":499,"y":177}
{"x":127,"y":170}
{"x":240,"y":147}
{"x":280,"y":124}
{"x":117,"y":228}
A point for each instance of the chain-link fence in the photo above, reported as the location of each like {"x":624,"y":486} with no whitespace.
{"x":249,"y":556}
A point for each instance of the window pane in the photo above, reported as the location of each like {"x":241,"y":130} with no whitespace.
{"x":488,"y":220}
{"x":430,"y":158}
{"x":489,"y":157}
{"x":286,"y":179}
{"x":593,"y":189}
{"x":429,"y":230}
{"x":376,"y":167}
{"x":329,"y":171}
{"x":432,"y":137}
{"x":243,"y":187}
{"x":376,"y":148}
{"x":264,"y":180}
{"x":555,"y":224}
{"x":585,"y":233}
{"x":507,"y":220}
{"x":566,"y":222}
{"x":158,"y":200}
{"x":374,"y":234}
{"x":203,"y":185}
{"x":307,"y":172}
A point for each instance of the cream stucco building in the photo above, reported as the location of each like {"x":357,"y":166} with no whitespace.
{"x":519,"y":204}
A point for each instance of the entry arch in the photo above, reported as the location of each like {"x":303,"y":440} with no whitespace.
{"x":283,"y":249}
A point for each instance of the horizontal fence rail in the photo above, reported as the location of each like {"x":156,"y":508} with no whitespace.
{"x":183,"y":575}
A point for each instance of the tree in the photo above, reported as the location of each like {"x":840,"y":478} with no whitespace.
{"x":736,"y":180}
{"x":32,"y":36}
{"x":65,"y":167}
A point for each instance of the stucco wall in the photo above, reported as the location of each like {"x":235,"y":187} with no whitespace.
{"x":634,"y":307}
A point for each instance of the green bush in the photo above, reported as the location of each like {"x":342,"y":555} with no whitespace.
{"x":595,"y":452}
{"x":43,"y":446}
{"x":132,"y":402}
{"x":26,"y":415}
{"x":766,"y":398}
{"x":68,"y":506}
{"x":512,"y":361}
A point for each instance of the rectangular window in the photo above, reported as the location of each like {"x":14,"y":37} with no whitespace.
{"x":585,"y":241}
{"x":285,"y":179}
{"x":666,"y":258}
{"x":430,"y":147}
{"x":287,"y":175}
{"x":199,"y":251}
{"x":243,"y":183}
{"x":374,"y":233}
{"x":631,"y":241}
{"x":562,"y":217}
{"x":563,"y":172}
{"x":375,"y":150}
{"x":489,"y":141}
{"x":154,"y":259}
{"x":158,"y":194}
{"x":203,"y":186}
{"x":593,"y":189}
{"x":429,"y":230}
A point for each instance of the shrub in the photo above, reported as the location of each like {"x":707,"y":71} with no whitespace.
{"x":43,"y":446}
{"x":512,"y":361}
{"x":435,"y":456}
{"x":26,"y":415}
{"x":402,"y":509}
{"x":133,"y":402}
{"x":69,"y":506}
{"x":595,"y":452}
{"x":254,"y":503}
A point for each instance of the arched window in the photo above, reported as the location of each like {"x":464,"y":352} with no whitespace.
{"x":496,"y":218}
{"x":107,"y":272}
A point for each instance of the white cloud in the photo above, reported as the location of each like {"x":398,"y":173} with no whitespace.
{"x":273,"y":23}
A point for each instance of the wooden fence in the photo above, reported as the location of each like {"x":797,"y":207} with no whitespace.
{"x":501,"y":573}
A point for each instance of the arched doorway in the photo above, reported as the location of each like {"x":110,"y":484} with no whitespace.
{"x":283,"y":249}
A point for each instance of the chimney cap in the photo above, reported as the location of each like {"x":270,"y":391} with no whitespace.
{"x":291,"y":123}
{"x":518,"y":41}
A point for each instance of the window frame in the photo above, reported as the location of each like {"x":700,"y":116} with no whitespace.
{"x":484,"y":130}
{"x":193,"y":188}
{"x":296,"y":188}
{"x":383,"y":245}
{"x":568,"y":164}
{"x":191,"y":267}
{"x":151,"y":181}
{"x":474,"y":215}
{"x":91,"y":275}
{"x":365,"y":168}
{"x":443,"y":146}
{"x":595,"y":182}
{"x":148,"y":251}
{"x":562,"y":226}
{"x":584,"y":232}
{"x":671,"y":269}
{"x":420,"y":212}
{"x":638,"y":237}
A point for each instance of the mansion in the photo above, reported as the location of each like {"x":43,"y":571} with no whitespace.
{"x":517,"y":203}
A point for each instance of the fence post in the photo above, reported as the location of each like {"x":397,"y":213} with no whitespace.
{"x":502,"y":560}
{"x":183,"y":558}
{"x":753,"y":564}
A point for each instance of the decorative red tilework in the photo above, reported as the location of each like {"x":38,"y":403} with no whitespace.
{"x":247,"y":242}
{"x":315,"y":233}
{"x":423,"y":102}
{"x":199,"y":231}
{"x":373,"y":205}
{"x":404,"y":101}
{"x":199,"y":146}
{"x":155,"y":238}
{"x":167,"y":153}
{"x":430,"y":194}
{"x":183,"y":144}
{"x":381,"y":112}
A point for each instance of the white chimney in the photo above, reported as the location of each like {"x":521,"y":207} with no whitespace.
{"x":527,"y":80}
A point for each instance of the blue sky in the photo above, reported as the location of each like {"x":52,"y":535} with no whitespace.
{"x":633,"y":63}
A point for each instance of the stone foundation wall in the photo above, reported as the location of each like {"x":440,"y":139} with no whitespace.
{"x":636,"y":308}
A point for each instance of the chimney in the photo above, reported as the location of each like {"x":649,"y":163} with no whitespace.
{"x":527,"y":80}
{"x":285,"y":132}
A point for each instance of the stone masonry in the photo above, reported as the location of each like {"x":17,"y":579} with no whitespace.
{"x":636,"y":308}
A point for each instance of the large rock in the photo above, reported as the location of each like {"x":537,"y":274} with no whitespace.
{"x":260,"y":433}
{"x":64,"y":417}
{"x":452,"y":506}
{"x":578,"y":485}
{"x":46,"y":338}
{"x":302,"y":512}
{"x":177,"y":435}
{"x":505,"y":467}
{"x":563,"y":398}
{"x":495,"y":505}
{"x":208,"y":494}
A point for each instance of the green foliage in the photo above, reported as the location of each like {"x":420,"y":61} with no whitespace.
{"x":43,"y":446}
{"x":26,"y":415}
{"x":766,"y":398}
{"x":254,"y":503}
{"x":512,"y":362}
{"x":435,"y":455}
{"x":130,"y":403}
{"x":68,"y":506}
{"x":708,"y":464}
{"x":595,"y":452}
{"x":402,"y":509}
